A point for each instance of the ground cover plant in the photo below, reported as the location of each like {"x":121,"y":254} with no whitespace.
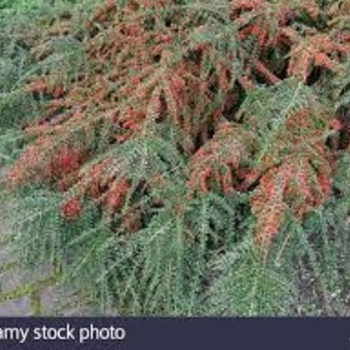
{"x":184,"y":157}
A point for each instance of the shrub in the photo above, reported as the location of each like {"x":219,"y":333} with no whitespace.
{"x":186,"y":127}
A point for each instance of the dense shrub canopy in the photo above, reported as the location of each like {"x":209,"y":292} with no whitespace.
{"x":197,"y":124}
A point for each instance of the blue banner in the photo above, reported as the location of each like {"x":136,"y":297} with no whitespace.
{"x":175,"y":333}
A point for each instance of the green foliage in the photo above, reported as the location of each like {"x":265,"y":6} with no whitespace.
{"x":247,"y":287}
{"x":180,"y":157}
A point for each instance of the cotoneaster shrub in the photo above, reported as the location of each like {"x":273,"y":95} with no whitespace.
{"x":183,"y":135}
